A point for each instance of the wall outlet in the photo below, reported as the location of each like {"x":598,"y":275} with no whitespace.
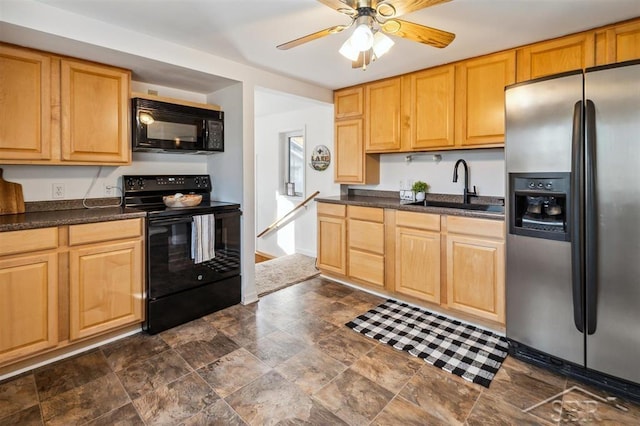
{"x":57,"y":190}
{"x":109,"y":190}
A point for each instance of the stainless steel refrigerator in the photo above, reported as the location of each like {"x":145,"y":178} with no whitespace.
{"x":572,"y":155}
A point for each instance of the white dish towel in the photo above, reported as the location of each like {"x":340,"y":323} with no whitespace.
{"x":203,"y":238}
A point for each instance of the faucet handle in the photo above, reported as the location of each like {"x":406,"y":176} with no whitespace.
{"x":475,"y":191}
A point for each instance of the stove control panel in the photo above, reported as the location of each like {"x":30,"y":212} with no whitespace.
{"x":167,"y":183}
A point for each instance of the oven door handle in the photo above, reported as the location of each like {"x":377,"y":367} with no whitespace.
{"x":174,"y":221}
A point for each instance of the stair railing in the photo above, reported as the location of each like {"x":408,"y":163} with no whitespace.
{"x":279,"y":222}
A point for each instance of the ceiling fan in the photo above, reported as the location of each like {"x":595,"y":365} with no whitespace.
{"x":372,"y":18}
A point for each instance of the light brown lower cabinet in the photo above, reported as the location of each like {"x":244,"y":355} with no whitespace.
{"x":476,"y":267}
{"x":454,"y":262}
{"x":28,"y":305}
{"x":105,"y":287}
{"x":332,"y":238}
{"x":60,"y":285}
{"x":365,"y":227}
{"x":418,"y":255}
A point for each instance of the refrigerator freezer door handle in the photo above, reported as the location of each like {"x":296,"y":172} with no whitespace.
{"x":591,"y":259}
{"x":575,"y":219}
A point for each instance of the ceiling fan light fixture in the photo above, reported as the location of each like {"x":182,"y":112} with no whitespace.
{"x":362,"y":36}
{"x":349,"y":51}
{"x":381,"y":44}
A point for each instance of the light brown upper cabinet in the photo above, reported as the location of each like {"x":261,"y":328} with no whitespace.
{"x":382,"y":116}
{"x":25,"y":104}
{"x":556,"y":56}
{"x":622,"y":43}
{"x":479,"y":89}
{"x":62,"y":110}
{"x":352,"y":165}
{"x":348,"y":103}
{"x":94,"y":103}
{"x":428,"y":108}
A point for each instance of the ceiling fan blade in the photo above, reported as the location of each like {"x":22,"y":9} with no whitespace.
{"x":394,"y":8}
{"x":348,"y":7}
{"x":313,"y":36}
{"x":416,"y":32}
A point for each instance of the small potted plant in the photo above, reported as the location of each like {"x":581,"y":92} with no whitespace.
{"x":419,"y":188}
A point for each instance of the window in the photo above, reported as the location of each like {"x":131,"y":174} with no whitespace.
{"x":294,"y":164}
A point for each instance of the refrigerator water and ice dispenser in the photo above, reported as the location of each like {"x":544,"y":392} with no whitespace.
{"x":540,"y":205}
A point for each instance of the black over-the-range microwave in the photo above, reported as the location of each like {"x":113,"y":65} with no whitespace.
{"x":165,"y":127}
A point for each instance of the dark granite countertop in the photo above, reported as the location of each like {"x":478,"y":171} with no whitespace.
{"x":391,"y":200}
{"x":69,"y":212}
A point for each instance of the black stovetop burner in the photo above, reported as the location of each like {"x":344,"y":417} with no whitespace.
{"x":145,"y":192}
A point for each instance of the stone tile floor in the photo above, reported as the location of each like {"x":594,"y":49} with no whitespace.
{"x":287,"y":359}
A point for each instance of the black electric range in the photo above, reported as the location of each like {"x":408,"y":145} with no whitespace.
{"x":178,"y":287}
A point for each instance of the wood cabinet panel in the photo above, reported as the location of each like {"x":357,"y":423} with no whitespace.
{"x":105,"y":287}
{"x":373,"y":214}
{"x":480,"y":105}
{"x":382,"y":116}
{"x":367,"y":267}
{"x":349,"y":151}
{"x":328,"y":209}
{"x":556,"y":56}
{"x":28,"y":305}
{"x":94,"y":101}
{"x":104,"y":231}
{"x":332,"y":244}
{"x":28,"y":240}
{"x":475,"y":276}
{"x":348,"y":102}
{"x":477,"y":227}
{"x":367,"y":236}
{"x":623,"y":42}
{"x":418,"y":263}
{"x":428,"y":108}
{"x":426,"y":221}
{"x":25,"y":104}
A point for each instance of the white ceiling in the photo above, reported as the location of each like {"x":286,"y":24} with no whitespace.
{"x":248,"y":31}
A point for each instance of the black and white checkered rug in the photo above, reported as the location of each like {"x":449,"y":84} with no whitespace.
{"x":462,"y":349}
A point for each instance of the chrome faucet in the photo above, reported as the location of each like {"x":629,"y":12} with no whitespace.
{"x":466,"y":192}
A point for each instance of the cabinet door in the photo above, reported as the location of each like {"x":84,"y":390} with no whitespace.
{"x":623,"y":43}
{"x":25,"y":105}
{"x":105,"y":287}
{"x":28,"y":305}
{"x":352,"y":165}
{"x":480,"y":99}
{"x":552,"y":57}
{"x":428,"y":108}
{"x":348,"y":103}
{"x":418,"y":263}
{"x":382,"y":116}
{"x":475,"y":276}
{"x":332,"y":244}
{"x":95,"y":121}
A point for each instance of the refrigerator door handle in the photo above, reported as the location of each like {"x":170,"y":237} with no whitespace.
{"x":591,"y":259}
{"x":575,"y":219}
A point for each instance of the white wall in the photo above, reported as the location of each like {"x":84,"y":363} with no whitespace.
{"x":486,"y":172}
{"x":316,"y":120}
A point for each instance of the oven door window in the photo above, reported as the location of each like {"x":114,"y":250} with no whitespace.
{"x":171,"y":268}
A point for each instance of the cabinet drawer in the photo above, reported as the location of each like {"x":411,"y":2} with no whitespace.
{"x":426,"y":221}
{"x":104,"y":231}
{"x":366,"y":267}
{"x":372,"y":214}
{"x":366,"y":236}
{"x":328,"y":209}
{"x":28,"y":240}
{"x":479,"y":227}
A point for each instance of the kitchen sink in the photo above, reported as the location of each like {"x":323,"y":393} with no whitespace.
{"x":464,"y":206}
